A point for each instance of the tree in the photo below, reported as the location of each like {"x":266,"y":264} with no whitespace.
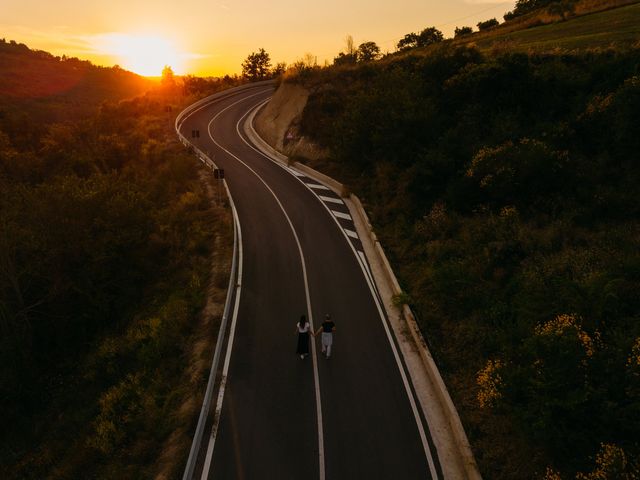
{"x":426,"y":37}
{"x":192,"y":85}
{"x":523,"y":7}
{"x":429,"y":36}
{"x":368,"y":51}
{"x":279,"y":69}
{"x":462,"y":31}
{"x":345,"y":59}
{"x":486,"y":25}
{"x":168,"y":80}
{"x":351,"y":49}
{"x":310,"y":60}
{"x":349,"y":56}
{"x":257,"y":65}
{"x":409,"y":41}
{"x":563,"y":8}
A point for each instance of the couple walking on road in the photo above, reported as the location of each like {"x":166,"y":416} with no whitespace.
{"x":304,"y":329}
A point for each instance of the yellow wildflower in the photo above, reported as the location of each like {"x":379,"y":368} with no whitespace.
{"x":634,"y":359}
{"x":551,"y":474}
{"x":489,"y":381}
{"x":567,"y":323}
{"x":611,"y":462}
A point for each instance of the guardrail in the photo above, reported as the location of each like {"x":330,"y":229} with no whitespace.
{"x":212,"y":98}
{"x":204,"y":158}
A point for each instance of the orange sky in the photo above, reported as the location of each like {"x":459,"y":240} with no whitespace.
{"x":212,"y":37}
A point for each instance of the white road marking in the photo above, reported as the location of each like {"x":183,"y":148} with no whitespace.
{"x":188,"y":473}
{"x":227,"y":359}
{"x":296,"y":173}
{"x":306,"y":288}
{"x":344,"y":216}
{"x":351,"y":233}
{"x":363,"y":261}
{"x":316,"y":186}
{"x":225,"y":368}
{"x":331,"y":199}
{"x":372,"y":288}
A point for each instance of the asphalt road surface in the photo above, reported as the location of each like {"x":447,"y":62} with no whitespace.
{"x":353,"y":416}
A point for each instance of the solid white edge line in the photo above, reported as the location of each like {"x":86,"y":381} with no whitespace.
{"x":306,"y":286}
{"x":317,"y":186}
{"x":373,"y":289}
{"x":233,"y":281}
{"x":363,"y":259}
{"x":225,"y":368}
{"x":220,"y":398}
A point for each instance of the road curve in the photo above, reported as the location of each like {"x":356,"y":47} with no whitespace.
{"x":348,"y":417}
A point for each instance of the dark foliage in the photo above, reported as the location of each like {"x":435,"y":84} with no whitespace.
{"x":488,"y":24}
{"x":99,"y":285}
{"x":505,"y":189}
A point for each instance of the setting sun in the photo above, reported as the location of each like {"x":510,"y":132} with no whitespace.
{"x":143,"y":54}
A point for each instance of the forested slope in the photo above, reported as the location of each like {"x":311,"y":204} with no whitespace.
{"x":107,"y":236}
{"x":504,"y":188}
{"x":39,"y":85}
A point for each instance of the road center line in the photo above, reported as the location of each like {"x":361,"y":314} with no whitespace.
{"x":377,"y":300}
{"x":306,"y":284}
{"x":232,"y":329}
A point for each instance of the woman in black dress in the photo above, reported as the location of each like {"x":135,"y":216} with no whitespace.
{"x":303,"y":328}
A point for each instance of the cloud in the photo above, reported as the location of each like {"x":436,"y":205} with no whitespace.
{"x":54,"y":38}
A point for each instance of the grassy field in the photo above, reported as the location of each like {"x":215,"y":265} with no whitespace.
{"x":620,"y":26}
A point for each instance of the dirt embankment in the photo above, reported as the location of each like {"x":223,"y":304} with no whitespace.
{"x":278,"y":123}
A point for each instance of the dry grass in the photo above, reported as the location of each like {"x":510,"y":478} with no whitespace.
{"x":609,"y":26}
{"x":540,"y":18}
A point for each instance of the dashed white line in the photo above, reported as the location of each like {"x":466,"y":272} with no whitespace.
{"x":331,"y":199}
{"x":317,"y":186}
{"x":345,"y":216}
{"x":314,"y":356}
{"x":296,"y":173}
{"x":351,"y":233}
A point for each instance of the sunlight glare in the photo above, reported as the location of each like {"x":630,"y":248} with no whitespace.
{"x":143,"y":54}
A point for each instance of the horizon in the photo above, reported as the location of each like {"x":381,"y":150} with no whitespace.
{"x":213,"y":40}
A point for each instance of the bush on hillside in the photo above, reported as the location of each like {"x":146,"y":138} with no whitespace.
{"x":504,"y":190}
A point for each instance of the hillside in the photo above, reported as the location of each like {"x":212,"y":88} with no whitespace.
{"x":619,"y":26}
{"x":103,"y":338}
{"x":502,"y":185}
{"x":37,"y":84}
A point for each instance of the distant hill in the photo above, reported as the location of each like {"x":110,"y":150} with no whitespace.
{"x":38,"y":83}
{"x":542,"y":31}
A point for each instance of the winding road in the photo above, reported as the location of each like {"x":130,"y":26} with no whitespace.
{"x":352,"y":416}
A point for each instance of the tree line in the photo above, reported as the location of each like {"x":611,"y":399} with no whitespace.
{"x":105,"y":236}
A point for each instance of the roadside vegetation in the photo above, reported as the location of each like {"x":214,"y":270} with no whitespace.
{"x":504,"y":187}
{"x":107,"y":236}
